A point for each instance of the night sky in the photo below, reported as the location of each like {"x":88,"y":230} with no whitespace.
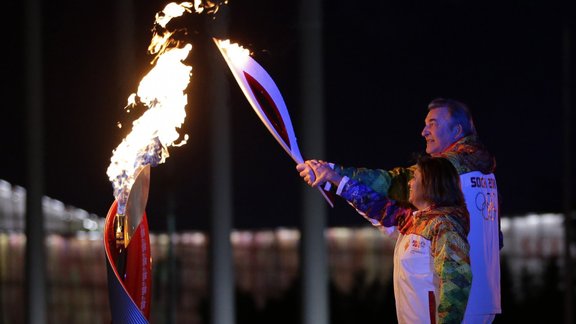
{"x":383,"y":62}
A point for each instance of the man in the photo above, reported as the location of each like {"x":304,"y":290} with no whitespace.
{"x":450,"y":133}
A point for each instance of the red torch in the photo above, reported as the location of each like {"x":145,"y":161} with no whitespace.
{"x":128,"y":260}
{"x":162,"y":93}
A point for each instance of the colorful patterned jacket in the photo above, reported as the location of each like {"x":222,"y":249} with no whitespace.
{"x":472,"y":160}
{"x":467,"y":154}
{"x":432,"y":274}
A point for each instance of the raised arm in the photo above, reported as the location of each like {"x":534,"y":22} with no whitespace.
{"x":392,"y":183}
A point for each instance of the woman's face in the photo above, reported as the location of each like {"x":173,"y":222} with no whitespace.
{"x":416,"y":190}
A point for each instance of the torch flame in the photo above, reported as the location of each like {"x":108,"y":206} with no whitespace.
{"x":238,"y":54}
{"x":172,"y":10}
{"x":162,"y":92}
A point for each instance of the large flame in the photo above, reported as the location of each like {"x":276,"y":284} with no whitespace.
{"x":162,"y":93}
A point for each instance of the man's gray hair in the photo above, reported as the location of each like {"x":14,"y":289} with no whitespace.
{"x":459,"y":112}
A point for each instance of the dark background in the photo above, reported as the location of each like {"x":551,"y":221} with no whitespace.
{"x":383,"y":62}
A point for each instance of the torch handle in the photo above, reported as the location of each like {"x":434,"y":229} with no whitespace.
{"x":328,"y":199}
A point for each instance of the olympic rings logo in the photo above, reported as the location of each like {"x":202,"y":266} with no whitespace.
{"x":486,"y":203}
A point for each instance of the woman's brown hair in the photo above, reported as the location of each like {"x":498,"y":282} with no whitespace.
{"x":440,"y":182}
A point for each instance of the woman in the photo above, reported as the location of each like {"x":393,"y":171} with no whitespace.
{"x":432,"y":275}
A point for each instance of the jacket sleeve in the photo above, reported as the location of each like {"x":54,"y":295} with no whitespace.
{"x":378,"y":209}
{"x":392,"y":183}
{"x":452,"y":266}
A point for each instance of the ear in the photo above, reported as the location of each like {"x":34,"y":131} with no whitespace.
{"x":458,"y":131}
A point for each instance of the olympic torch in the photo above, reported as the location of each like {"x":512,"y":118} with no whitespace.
{"x":127,"y":246}
{"x":265,"y":99}
{"x":161,"y":95}
{"x":161,"y":100}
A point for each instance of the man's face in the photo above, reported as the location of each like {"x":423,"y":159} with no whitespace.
{"x":440,"y":131}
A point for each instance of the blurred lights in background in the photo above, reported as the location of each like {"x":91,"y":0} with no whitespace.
{"x":266,"y":261}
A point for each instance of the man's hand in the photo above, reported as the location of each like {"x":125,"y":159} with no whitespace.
{"x":306,"y":172}
{"x":317,"y":172}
